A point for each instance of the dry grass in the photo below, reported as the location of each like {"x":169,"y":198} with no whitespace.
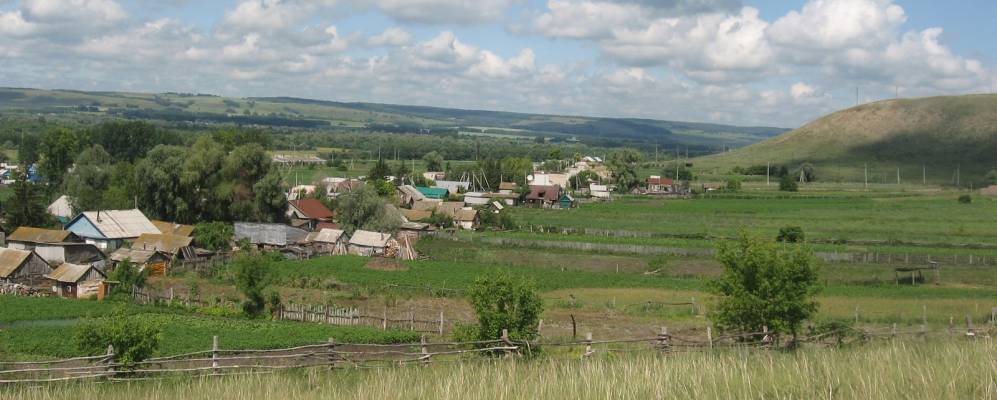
{"x":898,"y":370}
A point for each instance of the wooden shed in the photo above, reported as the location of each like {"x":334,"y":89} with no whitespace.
{"x":328,"y":241}
{"x":367,"y":243}
{"x":22,"y":267}
{"x":76,"y":281}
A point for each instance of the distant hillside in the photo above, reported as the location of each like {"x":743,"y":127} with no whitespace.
{"x":940,"y":134}
{"x":318,"y":114}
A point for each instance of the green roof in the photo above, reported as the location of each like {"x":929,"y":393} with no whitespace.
{"x":432,"y":193}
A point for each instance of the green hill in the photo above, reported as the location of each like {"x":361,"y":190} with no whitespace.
{"x":330,"y":115}
{"x":936,"y":136}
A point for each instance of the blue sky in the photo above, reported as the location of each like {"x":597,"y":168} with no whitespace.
{"x":750,"y":62}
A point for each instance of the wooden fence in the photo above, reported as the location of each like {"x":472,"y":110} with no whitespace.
{"x":217,"y":361}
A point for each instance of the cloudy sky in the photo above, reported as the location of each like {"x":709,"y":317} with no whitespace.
{"x":757,"y":62}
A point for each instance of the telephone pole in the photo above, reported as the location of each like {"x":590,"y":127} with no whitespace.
{"x":768,"y":170}
{"x":867,"y":175}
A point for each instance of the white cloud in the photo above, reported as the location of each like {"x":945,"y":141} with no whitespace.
{"x":393,"y":36}
{"x":90,"y":11}
{"x":444,"y":11}
{"x":824,"y":25}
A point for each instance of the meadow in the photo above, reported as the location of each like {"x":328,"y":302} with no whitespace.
{"x":903,"y":370}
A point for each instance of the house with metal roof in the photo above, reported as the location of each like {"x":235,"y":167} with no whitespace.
{"x":328,"y":241}
{"x":76,"y":281}
{"x":108,"y":230}
{"x":26,"y":238}
{"x":269,"y":235}
{"x":433,"y":193}
{"x":367,"y":243}
{"x":61,"y":209}
{"x":308,"y":213}
{"x":71,"y":252}
{"x":171,"y":228}
{"x":23,"y":267}
{"x":545,"y":196}
{"x":169,"y":244}
{"x":408,"y":195}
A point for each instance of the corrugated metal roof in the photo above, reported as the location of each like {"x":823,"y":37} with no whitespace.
{"x":426,"y":205}
{"x":466,"y":215}
{"x":272,"y":234}
{"x":61,"y":207}
{"x":325,"y":236}
{"x":38,"y":235}
{"x":416,"y":215}
{"x":370,"y":239}
{"x":121,"y":224}
{"x":70,"y":273}
{"x":171,"y":228}
{"x":450,"y":208}
{"x":11,"y":260}
{"x":160,"y":242}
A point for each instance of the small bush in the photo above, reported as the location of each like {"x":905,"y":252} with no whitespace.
{"x":790,"y":234}
{"x":788,"y":184}
{"x":503,"y":302}
{"x":733,"y":185}
{"x":965,"y":199}
{"x":134,"y":339}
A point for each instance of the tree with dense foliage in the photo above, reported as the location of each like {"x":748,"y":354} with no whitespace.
{"x":133,"y":338}
{"x":213,"y":236}
{"x":364,"y":209}
{"x":128,"y":275}
{"x":252,"y":276}
{"x":201,"y":175}
{"x":623,"y":165}
{"x":270,"y":201}
{"x":27,"y":149}
{"x":27,"y":206}
{"x":807,"y":172}
{"x":790,"y":234}
{"x":583,"y":179}
{"x":501,"y":301}
{"x":130,"y":140}
{"x":88,"y":182}
{"x":764,"y":284}
{"x":788,"y":184}
{"x":159,"y":188}
{"x":379,"y":171}
{"x":434,"y":161}
{"x":733,"y":185}
{"x":678,"y":171}
{"x":992,"y":177}
{"x":59,"y":148}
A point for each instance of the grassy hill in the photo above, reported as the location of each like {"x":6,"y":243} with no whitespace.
{"x":936,"y":136}
{"x":317,"y":114}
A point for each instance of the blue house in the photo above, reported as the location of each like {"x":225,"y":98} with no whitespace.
{"x":108,"y":230}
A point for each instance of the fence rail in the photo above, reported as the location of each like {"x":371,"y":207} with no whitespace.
{"x":221,"y":362}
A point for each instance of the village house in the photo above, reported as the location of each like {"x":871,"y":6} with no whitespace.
{"x":546,"y":179}
{"x":416,"y":215}
{"x":508,"y":187}
{"x":27,"y":238}
{"x":433,"y":193}
{"x":599,"y":191}
{"x":269,"y":235}
{"x":434,"y":176}
{"x":567,"y":201}
{"x":308,"y":213}
{"x":71,"y":252}
{"x":157,"y":262}
{"x":544,"y":196}
{"x":290,"y":159}
{"x":476,"y":198}
{"x":467,"y":219}
{"x":328,"y":241}
{"x":108,"y":230}
{"x":23,"y":267}
{"x":75,"y":281}
{"x":408,"y":195}
{"x":369,"y":244}
{"x":169,"y":244}
{"x":657,"y":184}
{"x":170,"y":228}
{"x":61,"y":209}
{"x":452,"y":187}
{"x":346,"y":186}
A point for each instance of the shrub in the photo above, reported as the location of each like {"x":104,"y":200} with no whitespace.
{"x":503,"y":302}
{"x":213,"y":235}
{"x":128,"y":275}
{"x":965,"y":199}
{"x":764,"y":284}
{"x":788,"y":184}
{"x":790,"y":234}
{"x":134,"y":339}
{"x":252,"y":276}
{"x":733,"y":185}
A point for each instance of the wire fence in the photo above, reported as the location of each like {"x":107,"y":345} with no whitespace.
{"x":217,"y":361}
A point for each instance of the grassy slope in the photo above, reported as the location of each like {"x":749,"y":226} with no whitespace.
{"x":940,"y":132}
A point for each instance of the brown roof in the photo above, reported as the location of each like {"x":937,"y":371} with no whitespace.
{"x":508,"y":186}
{"x":450,"y":208}
{"x":545,"y":193}
{"x":136,"y":256}
{"x":425,"y":205}
{"x":416,"y":215}
{"x":659,"y":181}
{"x":70,"y":273}
{"x":160,"y":242}
{"x":173,"y":229}
{"x":466,"y":215}
{"x":11,"y":260}
{"x":313,"y":208}
{"x":326,"y":225}
{"x":39,"y":235}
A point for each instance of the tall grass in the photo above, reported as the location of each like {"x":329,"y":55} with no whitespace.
{"x":897,"y":370}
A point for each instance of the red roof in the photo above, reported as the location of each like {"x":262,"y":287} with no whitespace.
{"x":312,"y":208}
{"x":659,"y":181}
{"x":546,"y":193}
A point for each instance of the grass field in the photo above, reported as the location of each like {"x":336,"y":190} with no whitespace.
{"x":891,"y":370}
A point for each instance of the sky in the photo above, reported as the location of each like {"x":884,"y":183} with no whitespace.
{"x":745,"y":62}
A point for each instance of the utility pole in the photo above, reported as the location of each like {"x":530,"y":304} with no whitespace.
{"x":867,"y":175}
{"x":655,"y":154}
{"x":898,"y":175}
{"x":924,"y":177}
{"x":958,"y":172}
{"x":768,"y":170}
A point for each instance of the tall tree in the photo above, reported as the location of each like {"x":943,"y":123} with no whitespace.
{"x":201,"y":175}
{"x":379,"y":170}
{"x":59,"y":148}
{"x":623,"y":165}
{"x":434,"y":161}
{"x":364,"y":209}
{"x":26,"y":207}
{"x":88,"y":182}
{"x":159,"y":187}
{"x":130,"y":140}
{"x":27,"y":150}
{"x":270,"y":201}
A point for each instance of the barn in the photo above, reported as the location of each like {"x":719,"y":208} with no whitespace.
{"x":76,"y":281}
{"x":22,"y":267}
{"x":367,"y":243}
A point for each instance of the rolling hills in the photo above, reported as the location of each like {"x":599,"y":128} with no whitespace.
{"x":290,"y":112}
{"x":944,"y":138}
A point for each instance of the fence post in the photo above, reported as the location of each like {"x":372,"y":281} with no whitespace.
{"x":411,"y":320}
{"x":332,"y":353}
{"x":214,"y":355}
{"x":425,"y":352}
{"x":441,"y":322}
{"x":894,"y":331}
{"x":993,"y":316}
{"x":856,"y":315}
{"x":588,"y":345}
{"x":970,"y":331}
{"x":766,"y":339}
{"x":540,"y":326}
{"x":506,"y":342}
{"x":693,"y":302}
{"x":663,"y":339}
{"x":709,"y":336}
{"x":110,"y":360}
{"x":384,"y":318}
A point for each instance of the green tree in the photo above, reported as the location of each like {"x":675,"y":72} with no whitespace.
{"x":379,"y":171}
{"x":26,"y":207}
{"x":403,"y":175}
{"x":434,"y":161}
{"x":808,"y":172}
{"x":503,"y":302}
{"x":790,"y":234}
{"x":678,"y":171}
{"x":269,"y":198}
{"x":122,"y":192}
{"x":130,"y":140}
{"x":134,"y":338}
{"x":27,"y":150}
{"x":160,"y":191}
{"x":764,"y":284}
{"x":213,"y":235}
{"x":252,"y":276}
{"x":733,"y":185}
{"x":788,"y":184}
{"x":201,"y":176}
{"x":623,"y":165}
{"x":992,"y":177}
{"x":88,"y":182}
{"x":365,"y":209}
{"x":128,"y":275}
{"x":59,"y":148}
